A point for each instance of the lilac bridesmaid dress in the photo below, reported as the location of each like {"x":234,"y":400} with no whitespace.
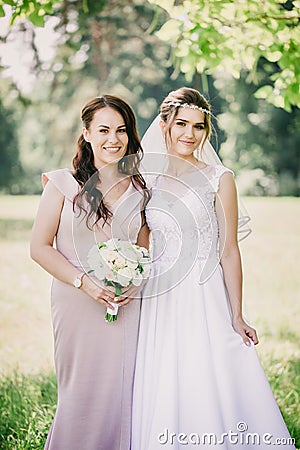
{"x":94,"y":360}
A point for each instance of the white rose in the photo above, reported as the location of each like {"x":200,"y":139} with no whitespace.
{"x":124,"y":276}
{"x":138,"y":278}
{"x":126,"y":250}
{"x":108,"y":255}
{"x":100,"y":272}
{"x":96,"y":262}
{"x":145,"y":260}
{"x":119,"y":262}
{"x":111,"y":275}
{"x":141,"y":251}
{"x":112,"y":244}
{"x":147,"y":268}
{"x":139,"y":254}
{"x":131,"y":264}
{"x":94,"y":256}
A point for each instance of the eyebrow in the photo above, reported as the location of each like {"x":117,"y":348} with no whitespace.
{"x":107,"y":127}
{"x":186,"y":121}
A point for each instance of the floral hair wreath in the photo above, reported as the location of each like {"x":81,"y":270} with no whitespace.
{"x":189,"y":105}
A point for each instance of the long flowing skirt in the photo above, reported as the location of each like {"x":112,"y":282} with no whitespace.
{"x":196,"y":382}
{"x":94,"y":366}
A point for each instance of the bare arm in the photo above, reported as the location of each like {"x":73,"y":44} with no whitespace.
{"x":230,"y":258}
{"x":42,"y":250}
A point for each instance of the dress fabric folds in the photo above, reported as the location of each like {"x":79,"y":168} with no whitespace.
{"x":94,"y":360}
{"x":197,"y":385}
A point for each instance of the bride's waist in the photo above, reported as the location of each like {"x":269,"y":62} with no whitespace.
{"x":163,"y":260}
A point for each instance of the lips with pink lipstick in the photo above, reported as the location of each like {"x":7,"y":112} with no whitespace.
{"x":112,"y":149}
{"x":188,"y":143}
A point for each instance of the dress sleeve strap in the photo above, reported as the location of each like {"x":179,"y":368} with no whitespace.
{"x":219,"y":171}
{"x":151,"y":180}
{"x":63,"y":180}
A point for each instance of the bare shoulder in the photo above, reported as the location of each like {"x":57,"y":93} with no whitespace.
{"x":226,"y":198}
{"x":227,"y":183}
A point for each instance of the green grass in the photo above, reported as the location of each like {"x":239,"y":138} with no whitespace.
{"x":271,"y":303}
{"x":27,"y":409}
{"x":284,"y":378}
{"x":28,"y":404}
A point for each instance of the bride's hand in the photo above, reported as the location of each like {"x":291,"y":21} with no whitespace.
{"x":99,"y":293}
{"x":247,"y":333}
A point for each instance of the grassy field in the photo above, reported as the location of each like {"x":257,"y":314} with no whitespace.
{"x":271,"y":297}
{"x":25,"y":322}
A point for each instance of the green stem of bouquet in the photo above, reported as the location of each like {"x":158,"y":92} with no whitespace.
{"x":112,"y":317}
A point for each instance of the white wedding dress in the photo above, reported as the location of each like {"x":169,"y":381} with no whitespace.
{"x":194,"y":375}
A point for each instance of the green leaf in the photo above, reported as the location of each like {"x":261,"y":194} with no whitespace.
{"x":14,"y":16}
{"x":38,"y":21}
{"x":48,"y":7}
{"x":264,"y":92}
{"x":27,"y":7}
{"x":9,"y":2}
{"x":85,"y":6}
{"x":115,"y":284}
{"x":2,"y":13}
{"x":118,"y":290}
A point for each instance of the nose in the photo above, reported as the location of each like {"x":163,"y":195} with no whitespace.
{"x":189,"y":131}
{"x":112,"y":137}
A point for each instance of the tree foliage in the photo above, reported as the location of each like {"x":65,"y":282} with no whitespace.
{"x":34,"y":10}
{"x":227,"y":36}
{"x":107,"y":48}
{"x":9,"y":156}
{"x":262,"y":142}
{"x":113,"y":47}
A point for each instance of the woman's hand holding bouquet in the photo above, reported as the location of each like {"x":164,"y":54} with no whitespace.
{"x":119,"y":264}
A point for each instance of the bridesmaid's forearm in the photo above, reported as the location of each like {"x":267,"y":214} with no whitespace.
{"x":54,"y":263}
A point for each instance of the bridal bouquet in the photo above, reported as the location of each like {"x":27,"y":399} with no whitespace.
{"x":119,"y":264}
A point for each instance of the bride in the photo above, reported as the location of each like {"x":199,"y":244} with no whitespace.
{"x":198,"y":380}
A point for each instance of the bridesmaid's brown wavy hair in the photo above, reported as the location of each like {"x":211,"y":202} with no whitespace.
{"x":87,"y":174}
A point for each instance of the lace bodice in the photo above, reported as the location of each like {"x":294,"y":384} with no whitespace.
{"x":181,"y":216}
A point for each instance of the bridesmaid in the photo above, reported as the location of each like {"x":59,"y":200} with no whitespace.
{"x":103,"y":196}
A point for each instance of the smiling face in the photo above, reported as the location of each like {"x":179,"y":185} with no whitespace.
{"x":186,"y":133}
{"x":107,"y":135}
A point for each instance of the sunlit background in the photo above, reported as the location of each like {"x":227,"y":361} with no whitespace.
{"x":244,"y":57}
